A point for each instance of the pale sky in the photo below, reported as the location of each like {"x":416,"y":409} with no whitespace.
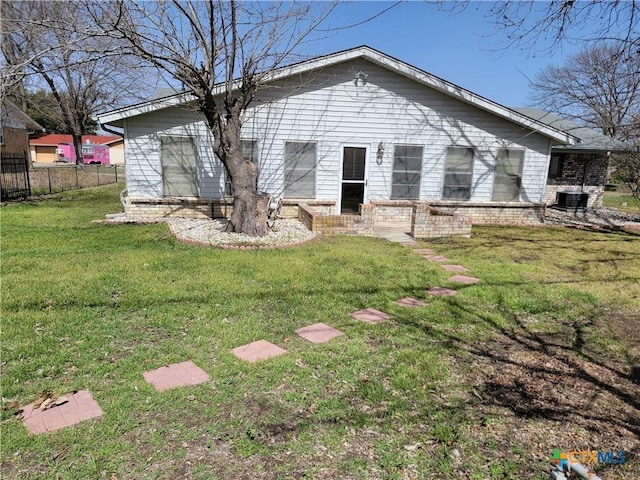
{"x":464,"y":48}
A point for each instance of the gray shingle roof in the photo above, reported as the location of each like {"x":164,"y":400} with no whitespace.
{"x":591,"y":140}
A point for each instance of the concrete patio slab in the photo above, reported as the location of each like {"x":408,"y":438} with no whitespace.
{"x":436,"y":258}
{"x":183,"y":374}
{"x":463,"y":279}
{"x":318,"y":333}
{"x":455,"y":268}
{"x":80,"y":406}
{"x":447,"y":292}
{"x":370,"y":315}
{"x":410,"y":302}
{"x":258,"y":350}
{"x":424,"y":251}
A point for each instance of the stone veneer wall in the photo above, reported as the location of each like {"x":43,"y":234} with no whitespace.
{"x":400,"y":211}
{"x":428,"y":222}
{"x":425,"y":221}
{"x":206,"y":208}
{"x":596,"y":193}
{"x":319,"y":220}
{"x":572,"y":177}
{"x":176,"y":207}
{"x":319,"y":215}
{"x":495,"y":212}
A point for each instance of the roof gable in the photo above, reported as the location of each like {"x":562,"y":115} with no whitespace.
{"x":14,"y":117}
{"x":390,"y":63}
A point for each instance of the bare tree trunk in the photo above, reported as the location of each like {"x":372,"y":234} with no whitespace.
{"x":249,"y":214}
{"x":77,"y":146}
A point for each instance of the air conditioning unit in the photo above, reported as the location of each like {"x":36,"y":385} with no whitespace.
{"x":571,"y":200}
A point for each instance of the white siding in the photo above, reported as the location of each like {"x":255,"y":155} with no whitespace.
{"x":328,"y":108}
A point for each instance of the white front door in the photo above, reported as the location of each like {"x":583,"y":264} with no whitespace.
{"x":354,"y":179}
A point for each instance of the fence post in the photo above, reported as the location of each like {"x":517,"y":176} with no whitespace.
{"x":26,"y":167}
{"x":49,"y":177}
{"x":98,"y":173}
{"x":116,"y":173}
{"x":77,"y":184}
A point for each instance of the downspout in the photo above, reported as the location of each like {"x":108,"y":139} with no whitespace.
{"x":108,"y":130}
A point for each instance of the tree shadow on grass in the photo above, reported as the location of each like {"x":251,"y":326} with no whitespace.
{"x":545,"y":376}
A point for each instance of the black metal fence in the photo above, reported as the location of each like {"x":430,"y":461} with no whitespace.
{"x":14,"y":176}
{"x":73,"y":177}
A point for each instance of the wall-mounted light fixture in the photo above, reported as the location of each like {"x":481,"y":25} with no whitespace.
{"x":361,"y":77}
{"x":380,"y":153}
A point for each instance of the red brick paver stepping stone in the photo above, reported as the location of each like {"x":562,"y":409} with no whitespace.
{"x":455,"y":268}
{"x":424,"y":251}
{"x":410,"y":244}
{"x":183,"y":374}
{"x":318,"y":332}
{"x":436,"y":258}
{"x":371,"y":315}
{"x":80,"y":406}
{"x":258,"y":350}
{"x":410,"y":302}
{"x":463,"y":279}
{"x":447,"y":292}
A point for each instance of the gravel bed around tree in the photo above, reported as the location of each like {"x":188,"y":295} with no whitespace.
{"x":285,"y":232}
{"x":594,"y":217}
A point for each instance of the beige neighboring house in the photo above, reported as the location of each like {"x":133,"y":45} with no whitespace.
{"x":16,"y":127}
{"x":43,"y":149}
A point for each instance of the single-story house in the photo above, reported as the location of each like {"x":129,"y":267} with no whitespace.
{"x":351,"y":133}
{"x":43,"y":149}
{"x":581,"y":167}
{"x":16,"y":128}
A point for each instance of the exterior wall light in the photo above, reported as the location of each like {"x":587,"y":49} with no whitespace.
{"x":380,"y":153}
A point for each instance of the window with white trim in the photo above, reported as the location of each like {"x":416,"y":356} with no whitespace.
{"x":507,"y":180}
{"x":458,"y":173}
{"x":179,"y":171}
{"x":299,"y":170}
{"x":407,"y":170}
{"x":249,"y":150}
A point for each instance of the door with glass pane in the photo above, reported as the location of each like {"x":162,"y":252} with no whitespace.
{"x":354,"y":165}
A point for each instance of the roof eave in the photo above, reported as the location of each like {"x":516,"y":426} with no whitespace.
{"x":115,"y":117}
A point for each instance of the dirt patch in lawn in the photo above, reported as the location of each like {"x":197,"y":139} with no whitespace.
{"x":533,"y":392}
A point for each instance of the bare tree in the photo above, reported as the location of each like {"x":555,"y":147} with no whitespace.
{"x":221,"y":51}
{"x":545,"y":26}
{"x":53,"y":46}
{"x":528,"y":24}
{"x":599,"y":87}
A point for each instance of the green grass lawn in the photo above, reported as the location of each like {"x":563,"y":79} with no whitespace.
{"x":542,"y":354}
{"x":622,"y":201}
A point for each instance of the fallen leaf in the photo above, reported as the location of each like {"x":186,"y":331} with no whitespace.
{"x":412,"y":448}
{"x":41,"y":398}
{"x":48,"y":403}
{"x":60,"y":401}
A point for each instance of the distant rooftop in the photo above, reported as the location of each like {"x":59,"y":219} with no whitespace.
{"x":53,"y":139}
{"x":590,"y":138}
